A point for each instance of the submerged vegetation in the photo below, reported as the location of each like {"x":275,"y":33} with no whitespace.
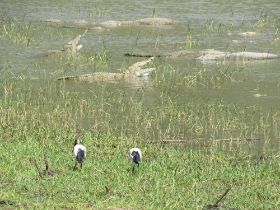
{"x":20,"y":34}
{"x":133,"y":114}
{"x":208,"y":131}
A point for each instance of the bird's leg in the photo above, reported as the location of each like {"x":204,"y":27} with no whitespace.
{"x":133,"y":169}
{"x":81,"y":165}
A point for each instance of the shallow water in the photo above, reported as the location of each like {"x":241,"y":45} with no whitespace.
{"x":206,"y":24}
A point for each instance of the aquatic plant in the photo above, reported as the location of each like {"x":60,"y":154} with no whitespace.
{"x":267,"y":19}
{"x":17,"y":32}
{"x":191,"y":42}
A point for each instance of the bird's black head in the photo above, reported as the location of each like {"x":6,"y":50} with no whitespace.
{"x":136,"y":157}
{"x":77,"y":141}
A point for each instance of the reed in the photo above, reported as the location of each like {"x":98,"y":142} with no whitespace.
{"x":20,"y":34}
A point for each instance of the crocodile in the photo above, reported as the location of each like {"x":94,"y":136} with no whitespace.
{"x":153,"y":21}
{"x":175,"y":54}
{"x":97,"y":76}
{"x":72,"y":46}
{"x":211,"y":55}
{"x":133,"y":71}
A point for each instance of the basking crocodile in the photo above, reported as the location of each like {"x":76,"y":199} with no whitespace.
{"x":144,"y":21}
{"x":133,"y":71}
{"x":211,"y":55}
{"x":155,"y":21}
{"x":175,"y":54}
{"x":115,"y":23}
{"x":97,"y":76}
{"x":72,"y":46}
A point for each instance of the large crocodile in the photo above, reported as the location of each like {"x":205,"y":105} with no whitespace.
{"x":211,"y":55}
{"x":72,"y":46}
{"x":156,"y":21}
{"x":133,"y":71}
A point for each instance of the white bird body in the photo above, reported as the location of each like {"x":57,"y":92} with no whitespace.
{"x":77,"y":148}
{"x":132,"y":152}
{"x":79,"y":152}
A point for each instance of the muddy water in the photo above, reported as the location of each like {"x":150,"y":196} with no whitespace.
{"x":201,"y":25}
{"x":234,"y":11}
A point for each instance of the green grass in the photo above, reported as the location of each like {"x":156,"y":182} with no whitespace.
{"x":20,"y":34}
{"x":46,"y":121}
{"x":168,"y":178}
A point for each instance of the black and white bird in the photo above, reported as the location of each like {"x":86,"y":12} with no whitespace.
{"x":79,"y":152}
{"x":135,"y":155}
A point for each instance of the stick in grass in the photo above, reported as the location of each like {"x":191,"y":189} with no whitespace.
{"x":34,"y":162}
{"x":221,"y":198}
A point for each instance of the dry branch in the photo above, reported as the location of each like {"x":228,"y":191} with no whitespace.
{"x":216,"y":204}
